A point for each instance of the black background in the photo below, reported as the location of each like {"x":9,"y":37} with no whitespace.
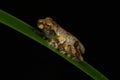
{"x":91,"y":23}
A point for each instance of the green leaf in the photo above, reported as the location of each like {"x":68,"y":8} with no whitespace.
{"x":29,"y":31}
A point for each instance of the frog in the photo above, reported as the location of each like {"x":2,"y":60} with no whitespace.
{"x":61,"y":39}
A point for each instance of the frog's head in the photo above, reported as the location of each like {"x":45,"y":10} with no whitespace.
{"x":46,"y":23}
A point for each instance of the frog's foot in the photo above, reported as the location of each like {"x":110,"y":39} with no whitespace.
{"x":78,"y":58}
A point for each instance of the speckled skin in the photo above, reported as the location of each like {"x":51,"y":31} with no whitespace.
{"x":61,"y":39}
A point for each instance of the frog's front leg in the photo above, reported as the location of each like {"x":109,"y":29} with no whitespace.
{"x":53,"y":43}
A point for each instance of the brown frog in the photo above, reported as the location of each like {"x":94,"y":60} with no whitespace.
{"x":60,"y":39}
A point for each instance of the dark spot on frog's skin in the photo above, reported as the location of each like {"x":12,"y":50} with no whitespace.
{"x":77,"y":46}
{"x":78,"y":50}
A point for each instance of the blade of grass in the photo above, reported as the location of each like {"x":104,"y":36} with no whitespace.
{"x":28,"y":30}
